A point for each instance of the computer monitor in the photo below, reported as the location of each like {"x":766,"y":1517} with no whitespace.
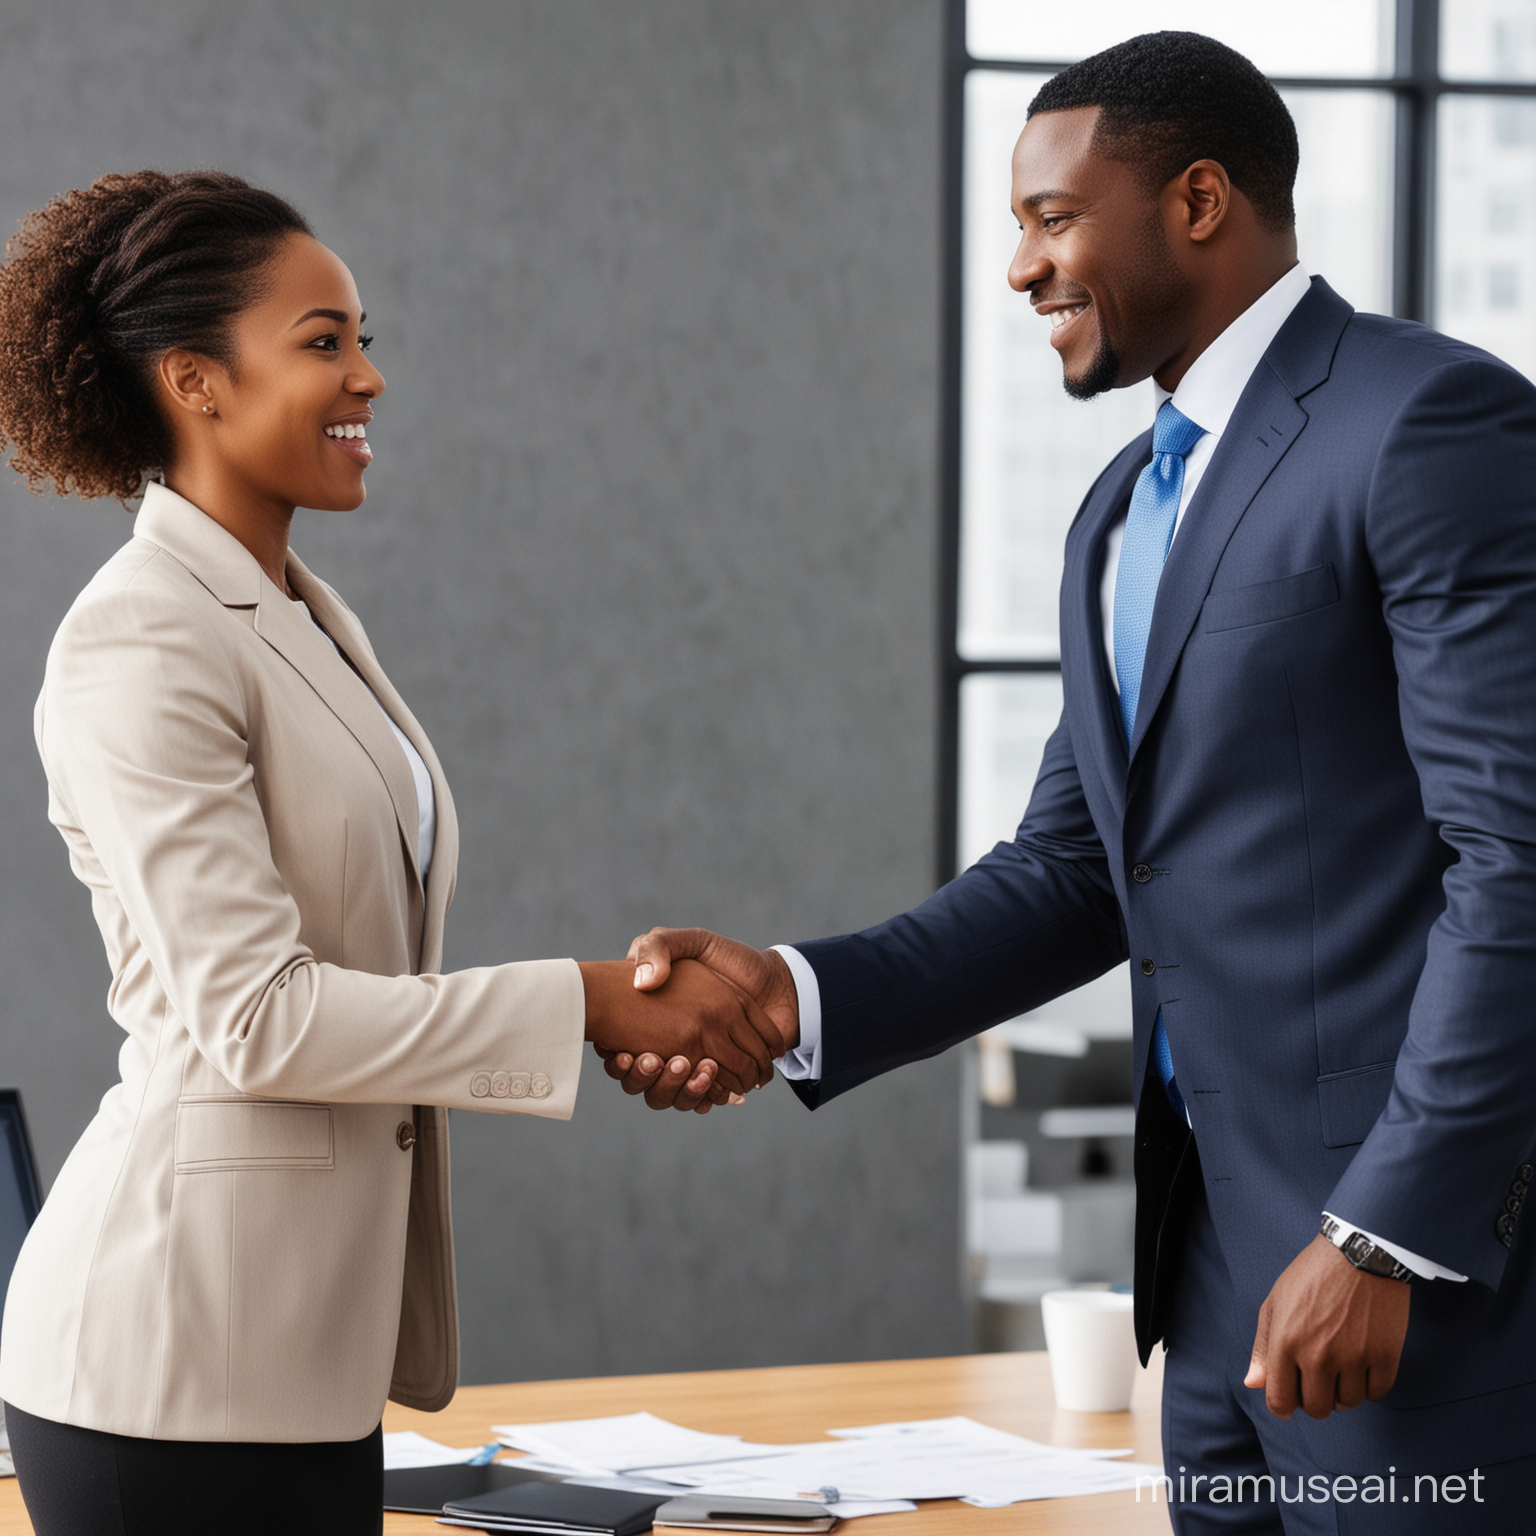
{"x":19,"y":1194}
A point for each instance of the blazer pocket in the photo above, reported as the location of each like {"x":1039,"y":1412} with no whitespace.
{"x":213,"y":1134}
{"x":1266,"y":601}
{"x":1351,"y":1102}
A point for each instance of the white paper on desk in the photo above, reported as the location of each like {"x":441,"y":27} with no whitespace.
{"x":405,"y":1448}
{"x":621,"y":1482}
{"x":959,"y":1424}
{"x":942,"y":1459}
{"x":1093,"y":1477}
{"x":626,"y":1442}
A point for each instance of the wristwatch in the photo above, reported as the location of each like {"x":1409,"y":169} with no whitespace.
{"x":1363,"y":1253}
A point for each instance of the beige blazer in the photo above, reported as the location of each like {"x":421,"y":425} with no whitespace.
{"x":251,"y":1240}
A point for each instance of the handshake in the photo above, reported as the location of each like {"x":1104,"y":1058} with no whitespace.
{"x":691,"y":1019}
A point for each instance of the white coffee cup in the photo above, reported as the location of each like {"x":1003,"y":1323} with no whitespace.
{"x":1092,"y":1345}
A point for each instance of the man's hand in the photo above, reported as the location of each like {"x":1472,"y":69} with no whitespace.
{"x":759,"y":973}
{"x":674,"y":1084}
{"x":1329,"y":1335}
{"x":698,"y":1016}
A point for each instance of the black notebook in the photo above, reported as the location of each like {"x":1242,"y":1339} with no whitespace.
{"x":566,"y":1508}
{"x":424,"y":1490}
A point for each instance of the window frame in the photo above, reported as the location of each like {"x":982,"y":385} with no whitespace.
{"x":1417,"y":87}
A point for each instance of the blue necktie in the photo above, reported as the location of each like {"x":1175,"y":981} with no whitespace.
{"x":1148,"y":532}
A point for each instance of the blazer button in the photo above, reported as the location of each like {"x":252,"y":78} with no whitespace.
{"x":1141,"y":873}
{"x":541,"y":1086}
{"x":1519,"y":1187}
{"x":1512,"y":1205}
{"x":1527,"y":1172}
{"x":1148,"y":967}
{"x":1506,"y":1229}
{"x":405,"y":1137}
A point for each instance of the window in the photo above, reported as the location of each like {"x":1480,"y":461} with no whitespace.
{"x":1416,"y":196}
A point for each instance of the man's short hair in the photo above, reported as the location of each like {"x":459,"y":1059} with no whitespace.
{"x":1168,"y":99}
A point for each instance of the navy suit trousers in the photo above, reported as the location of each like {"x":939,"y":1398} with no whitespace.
{"x":1233,"y":1469}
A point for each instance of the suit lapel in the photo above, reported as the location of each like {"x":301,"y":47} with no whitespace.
{"x":1086,"y":681}
{"x":1267,"y":421}
{"x":1262,"y":429}
{"x":343,"y":691}
{"x":342,"y":625}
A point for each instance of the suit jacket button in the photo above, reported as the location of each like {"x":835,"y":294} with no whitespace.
{"x":1141,"y":873}
{"x":1512,"y":1205}
{"x":480,"y":1085}
{"x":1506,"y":1229}
{"x":405,"y":1137}
{"x":1519,"y":1187}
{"x":1148,"y":967}
{"x":1527,"y":1172}
{"x":541,"y":1086}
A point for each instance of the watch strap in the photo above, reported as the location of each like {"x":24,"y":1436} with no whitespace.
{"x":1363,"y":1253}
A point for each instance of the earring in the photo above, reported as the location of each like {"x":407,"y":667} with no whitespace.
{"x":207,"y":410}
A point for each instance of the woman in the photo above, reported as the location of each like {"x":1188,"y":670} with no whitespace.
{"x":249,"y":1248}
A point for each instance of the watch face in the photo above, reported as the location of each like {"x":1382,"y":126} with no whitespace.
{"x":1358,"y":1247}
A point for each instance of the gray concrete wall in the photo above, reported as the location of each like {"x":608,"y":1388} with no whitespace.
{"x":649,"y":546}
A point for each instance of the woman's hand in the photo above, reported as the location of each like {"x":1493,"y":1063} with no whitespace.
{"x":697,"y":1016}
{"x":760,"y":974}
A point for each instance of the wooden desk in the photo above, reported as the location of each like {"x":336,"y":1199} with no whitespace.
{"x":792,"y":1403}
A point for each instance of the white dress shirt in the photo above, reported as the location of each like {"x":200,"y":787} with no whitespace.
{"x":1207,"y":394}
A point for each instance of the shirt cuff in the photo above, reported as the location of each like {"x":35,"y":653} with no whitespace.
{"x":802,"y":1063}
{"x":1425,"y":1269}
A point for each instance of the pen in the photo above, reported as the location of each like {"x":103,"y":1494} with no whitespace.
{"x":485,"y":1455}
{"x":827,"y":1495}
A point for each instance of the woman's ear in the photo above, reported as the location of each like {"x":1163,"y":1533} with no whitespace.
{"x":187,"y":382}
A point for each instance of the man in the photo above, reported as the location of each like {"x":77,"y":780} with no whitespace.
{"x":1295,"y":783}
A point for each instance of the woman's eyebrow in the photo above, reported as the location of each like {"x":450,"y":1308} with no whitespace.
{"x":338,"y":315}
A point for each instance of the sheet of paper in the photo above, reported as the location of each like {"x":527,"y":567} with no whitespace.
{"x":958,"y":1424}
{"x":1089,"y":1477}
{"x":626,"y":1442}
{"x":938,"y":1459}
{"x":405,"y":1448}
{"x":624,"y":1482}
{"x":862,"y":1469}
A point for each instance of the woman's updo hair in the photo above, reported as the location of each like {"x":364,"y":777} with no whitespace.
{"x":96,"y":288}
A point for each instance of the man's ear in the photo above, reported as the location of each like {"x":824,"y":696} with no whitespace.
{"x":189,"y":382}
{"x":1205,"y":195}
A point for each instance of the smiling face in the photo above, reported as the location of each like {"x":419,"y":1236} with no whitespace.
{"x":289,"y":425}
{"x":1095,"y":256}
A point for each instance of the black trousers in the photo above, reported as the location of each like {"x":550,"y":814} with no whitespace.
{"x":82,"y":1482}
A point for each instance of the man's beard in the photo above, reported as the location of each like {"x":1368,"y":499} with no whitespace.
{"x":1159,"y":287}
{"x":1100,"y":374}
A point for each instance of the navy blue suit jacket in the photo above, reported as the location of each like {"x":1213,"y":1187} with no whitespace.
{"x":1320,"y":849}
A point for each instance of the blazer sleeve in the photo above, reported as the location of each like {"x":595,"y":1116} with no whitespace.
{"x":142,"y":727}
{"x":1028,"y":921}
{"x":1451,"y":527}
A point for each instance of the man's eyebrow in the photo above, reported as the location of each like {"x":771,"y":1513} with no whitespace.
{"x":338,"y":315}
{"x":1036,"y":198}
